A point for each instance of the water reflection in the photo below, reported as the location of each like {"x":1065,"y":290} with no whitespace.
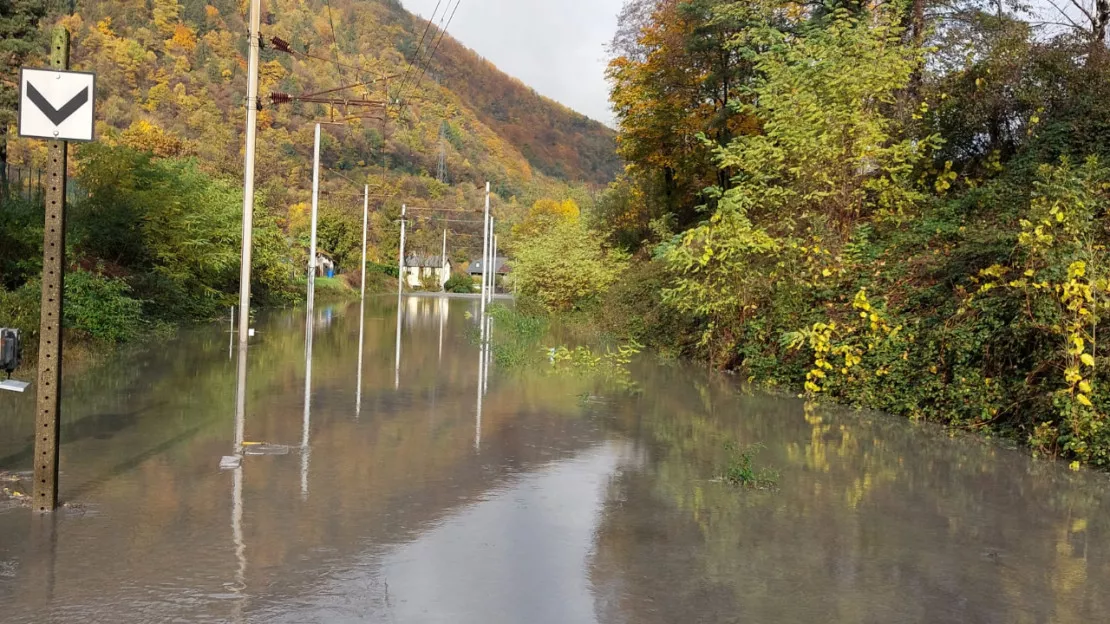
{"x":361,"y":350}
{"x":481,"y":392}
{"x":306,"y":421}
{"x":584,"y":504}
{"x":397,"y":364}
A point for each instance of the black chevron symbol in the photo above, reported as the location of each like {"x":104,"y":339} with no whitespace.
{"x":57,"y":115}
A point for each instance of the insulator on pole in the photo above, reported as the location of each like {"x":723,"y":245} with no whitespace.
{"x":280,"y":98}
{"x":281,"y":45}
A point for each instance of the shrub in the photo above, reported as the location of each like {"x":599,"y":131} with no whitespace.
{"x":101,"y":307}
{"x":95,"y":307}
{"x":568,"y":267}
{"x":459,"y":283}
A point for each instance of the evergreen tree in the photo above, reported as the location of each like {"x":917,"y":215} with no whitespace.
{"x":20,"y":39}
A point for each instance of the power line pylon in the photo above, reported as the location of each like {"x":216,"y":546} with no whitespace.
{"x":441,"y":170}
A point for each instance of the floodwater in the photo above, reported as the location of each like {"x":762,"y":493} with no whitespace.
{"x":437,"y":489}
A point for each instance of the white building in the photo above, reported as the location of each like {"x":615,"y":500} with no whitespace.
{"x":427,"y":270}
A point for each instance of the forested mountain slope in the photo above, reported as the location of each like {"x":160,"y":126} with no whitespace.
{"x":172,"y":79}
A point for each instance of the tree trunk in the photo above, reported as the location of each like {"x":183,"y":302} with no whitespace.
{"x":1098,"y":29}
{"x":3,"y":158}
{"x":917,"y":27}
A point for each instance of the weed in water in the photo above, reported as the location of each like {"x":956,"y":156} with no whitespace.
{"x":741,"y":471}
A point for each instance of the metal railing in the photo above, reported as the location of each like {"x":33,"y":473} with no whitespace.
{"x":29,"y":183}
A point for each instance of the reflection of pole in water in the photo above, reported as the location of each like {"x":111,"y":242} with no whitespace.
{"x":397,"y":364}
{"x":443,"y":306}
{"x":361,"y":342}
{"x":307,"y":406}
{"x":478,"y":417}
{"x":489,"y":353}
{"x":231,"y":336}
{"x":237,"y":481}
{"x":40,"y":569}
{"x":240,"y":544}
{"x":240,"y":400}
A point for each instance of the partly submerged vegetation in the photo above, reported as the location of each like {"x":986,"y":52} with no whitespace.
{"x":898,"y":206}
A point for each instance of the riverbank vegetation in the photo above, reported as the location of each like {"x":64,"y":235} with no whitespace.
{"x":899,"y":206}
{"x":154,"y":242}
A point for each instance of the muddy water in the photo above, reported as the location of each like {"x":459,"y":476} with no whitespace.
{"x":396,"y":498}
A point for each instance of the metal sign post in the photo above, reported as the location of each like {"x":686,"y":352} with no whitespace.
{"x":58,"y":105}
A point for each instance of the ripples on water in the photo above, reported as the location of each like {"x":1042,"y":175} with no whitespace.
{"x":397,"y":500}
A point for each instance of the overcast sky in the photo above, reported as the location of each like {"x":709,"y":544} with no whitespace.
{"x":556,"y":47}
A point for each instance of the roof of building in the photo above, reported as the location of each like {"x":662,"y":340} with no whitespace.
{"x":424,"y":262}
{"x":501,"y":263}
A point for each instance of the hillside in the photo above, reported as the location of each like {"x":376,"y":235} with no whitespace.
{"x":172,"y":80}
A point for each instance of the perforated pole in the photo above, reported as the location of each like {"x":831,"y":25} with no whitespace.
{"x":47,"y":412}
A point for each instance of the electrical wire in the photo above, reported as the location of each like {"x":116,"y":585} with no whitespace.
{"x":437,"y":220}
{"x":284,"y":46}
{"x":419,"y":46}
{"x":442,"y":34}
{"x":334,"y":42}
{"x":455,"y":210}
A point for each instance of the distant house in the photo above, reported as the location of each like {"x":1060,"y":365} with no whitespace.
{"x":420,"y":270}
{"x":501,"y":268}
{"x":325,"y":266}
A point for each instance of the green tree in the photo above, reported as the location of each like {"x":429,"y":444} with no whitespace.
{"x":567,"y":267}
{"x":20,"y":40}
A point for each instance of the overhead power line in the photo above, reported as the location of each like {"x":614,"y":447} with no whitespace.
{"x":350,"y":86}
{"x":285,"y":47}
{"x":277,"y":97}
{"x":442,"y":34}
{"x":454,"y":210}
{"x":427,"y":61}
{"x":334,"y":42}
{"x":419,"y":47}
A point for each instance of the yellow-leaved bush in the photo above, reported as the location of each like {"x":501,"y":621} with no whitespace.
{"x":1061,"y":277}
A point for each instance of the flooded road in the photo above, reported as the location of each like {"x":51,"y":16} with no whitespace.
{"x":426,"y":491}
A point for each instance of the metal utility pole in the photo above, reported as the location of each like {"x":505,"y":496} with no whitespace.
{"x":401,"y":260}
{"x":315,"y":212}
{"x":365,"y":219}
{"x":485,"y":265}
{"x":443,"y":258}
{"x":47,"y":421}
{"x":493,"y":290}
{"x":248,"y":173}
{"x":441,"y":168}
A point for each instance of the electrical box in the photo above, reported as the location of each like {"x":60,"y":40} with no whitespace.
{"x":11,"y":350}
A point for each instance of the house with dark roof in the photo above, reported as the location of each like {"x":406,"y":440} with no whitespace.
{"x":501,"y":266}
